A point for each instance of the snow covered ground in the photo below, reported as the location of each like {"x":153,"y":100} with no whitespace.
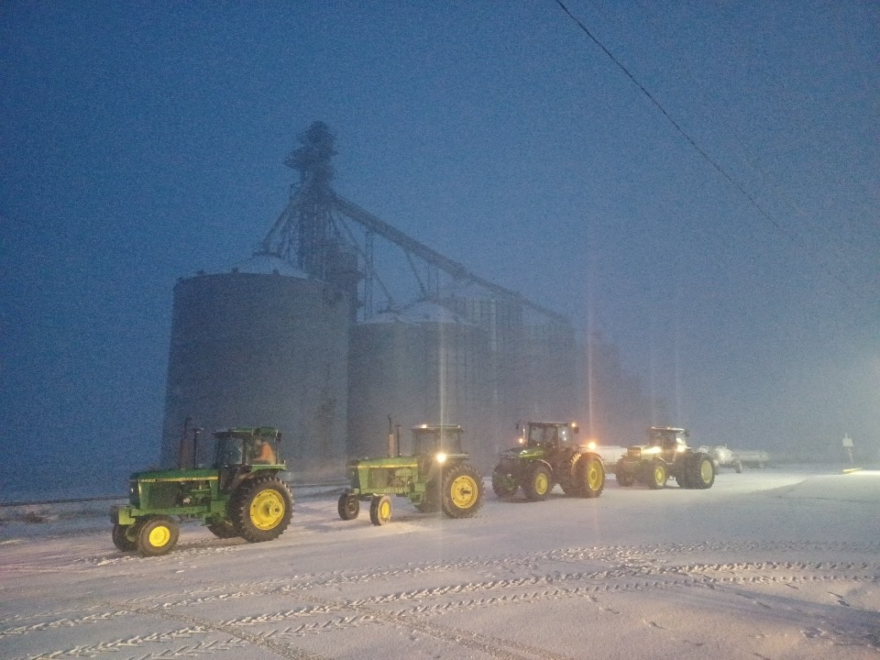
{"x":773,"y":564}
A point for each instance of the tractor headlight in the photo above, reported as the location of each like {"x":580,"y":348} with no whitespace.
{"x":651,"y":450}
{"x":441,"y":457}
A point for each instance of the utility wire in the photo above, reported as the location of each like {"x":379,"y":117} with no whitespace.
{"x":715,"y":165}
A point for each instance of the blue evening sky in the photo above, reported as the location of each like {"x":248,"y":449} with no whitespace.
{"x":143,"y":141}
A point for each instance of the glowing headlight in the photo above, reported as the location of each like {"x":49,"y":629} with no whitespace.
{"x":521,"y":441}
{"x":651,"y":450}
{"x":441,"y":458}
{"x":680,"y":449}
{"x":591,"y":445}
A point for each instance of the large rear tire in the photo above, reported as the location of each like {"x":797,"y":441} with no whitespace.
{"x":701,"y":471}
{"x":569,"y":477}
{"x":261,"y":509}
{"x":590,"y":476}
{"x":462,"y":491}
{"x":156,"y":535}
{"x":539,"y":483}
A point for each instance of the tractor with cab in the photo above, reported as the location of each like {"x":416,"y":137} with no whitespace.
{"x":241,"y":494}
{"x":436,"y":476}
{"x":547,"y":454}
{"x":666,"y":455}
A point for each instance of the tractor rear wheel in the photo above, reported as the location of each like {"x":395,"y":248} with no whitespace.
{"x":539,"y":483}
{"x":569,"y":479}
{"x":462,"y":491}
{"x":156,"y":535}
{"x":701,"y":472}
{"x":261,"y":508}
{"x":590,"y":476}
{"x":657,"y":474}
{"x":223,"y":529}
{"x":380,"y":509}
{"x":124,"y":537}
{"x":349,"y":506}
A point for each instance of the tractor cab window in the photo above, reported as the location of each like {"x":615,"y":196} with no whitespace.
{"x":544,"y":435}
{"x":262,"y":451}
{"x":230,"y":450}
{"x":428,"y":439}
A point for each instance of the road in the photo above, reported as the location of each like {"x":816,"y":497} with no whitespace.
{"x":767,"y":564}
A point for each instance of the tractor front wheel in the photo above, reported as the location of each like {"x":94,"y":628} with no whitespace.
{"x":156,"y":535}
{"x":349,"y":506}
{"x":503,"y":484}
{"x":623,"y":476}
{"x":657,"y":475}
{"x":462,"y":491}
{"x":124,"y":537}
{"x":539,"y":484}
{"x":380,"y":509}
{"x":261,"y":508}
{"x":590,"y":476}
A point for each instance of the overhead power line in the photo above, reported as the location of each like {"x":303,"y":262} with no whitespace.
{"x":702,"y":152}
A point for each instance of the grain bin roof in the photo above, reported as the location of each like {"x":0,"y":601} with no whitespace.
{"x":268,"y":264}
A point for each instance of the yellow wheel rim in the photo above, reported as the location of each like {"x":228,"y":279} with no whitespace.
{"x":267,"y":509}
{"x":541,"y":483}
{"x":385,"y":510}
{"x":659,"y":475}
{"x":706,"y":470}
{"x":464,"y":492}
{"x":159,"y":536}
{"x":594,"y":478}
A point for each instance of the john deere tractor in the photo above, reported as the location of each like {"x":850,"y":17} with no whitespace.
{"x":436,"y":476}
{"x":548,"y":455}
{"x":665,"y":455}
{"x":241,"y":494}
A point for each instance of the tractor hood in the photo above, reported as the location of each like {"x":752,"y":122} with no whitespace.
{"x":174,"y":475}
{"x":523,"y":452}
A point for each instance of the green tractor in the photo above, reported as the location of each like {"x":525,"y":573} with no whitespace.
{"x":240,"y":495}
{"x":666,"y":455}
{"x":435,"y":477}
{"x":548,"y":455}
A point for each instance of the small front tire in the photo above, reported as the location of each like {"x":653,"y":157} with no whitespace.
{"x":539,"y":484}
{"x":657,"y":475}
{"x":503,"y":484}
{"x":124,"y":537}
{"x":380,"y":509}
{"x":156,"y":535}
{"x":349,"y":506}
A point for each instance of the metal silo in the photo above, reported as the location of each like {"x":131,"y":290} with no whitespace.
{"x":261,"y":345}
{"x":422,"y":365}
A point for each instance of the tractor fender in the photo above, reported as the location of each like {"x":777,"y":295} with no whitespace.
{"x":592,"y":454}
{"x":531,"y":463}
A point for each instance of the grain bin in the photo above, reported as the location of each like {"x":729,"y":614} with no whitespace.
{"x":261,"y":345}
{"x":423,"y":364}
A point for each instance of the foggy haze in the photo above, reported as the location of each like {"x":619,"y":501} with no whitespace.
{"x":142,"y":142}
